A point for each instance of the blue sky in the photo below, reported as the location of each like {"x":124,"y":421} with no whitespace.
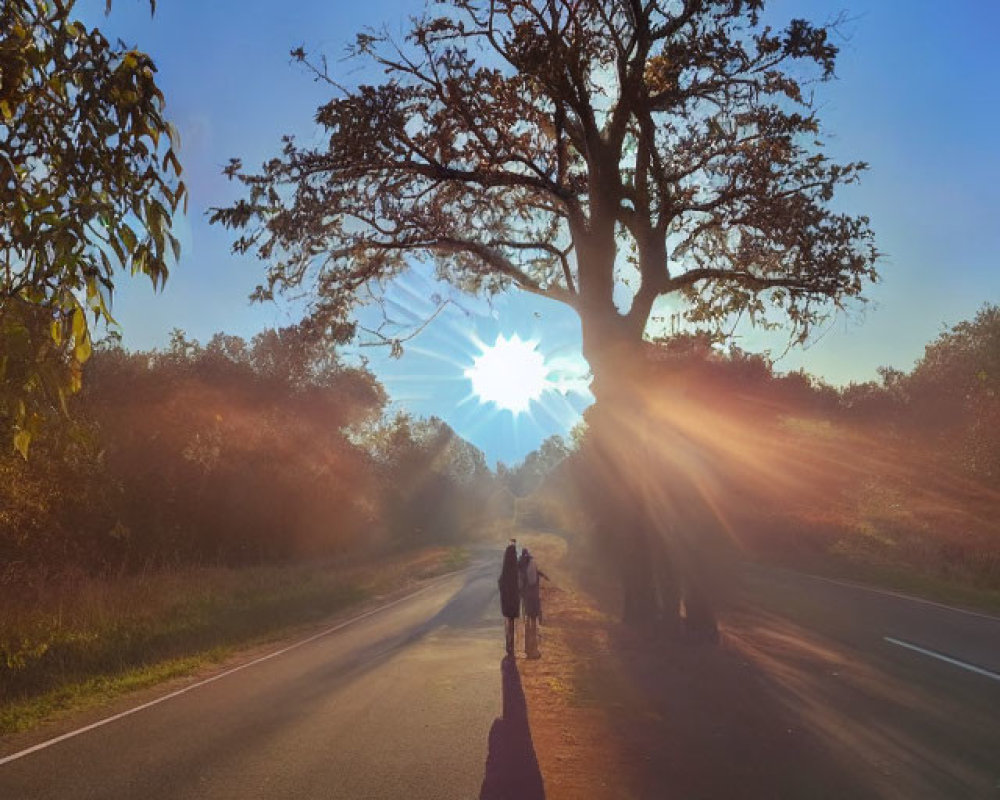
{"x":917,"y":96}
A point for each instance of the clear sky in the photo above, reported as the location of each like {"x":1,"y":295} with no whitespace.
{"x":917,"y":96}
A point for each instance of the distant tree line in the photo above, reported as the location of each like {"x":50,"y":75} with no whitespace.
{"x":948,"y":404}
{"x":952,"y":394}
{"x":524,"y":478}
{"x":950,"y":399}
{"x":231,"y":452}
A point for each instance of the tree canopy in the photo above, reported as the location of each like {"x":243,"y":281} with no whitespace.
{"x":526,"y":477}
{"x":89,"y":181}
{"x":602,"y":154}
{"x":232,"y":451}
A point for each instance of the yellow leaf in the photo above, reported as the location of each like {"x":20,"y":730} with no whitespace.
{"x":79,"y":324}
{"x":75,"y":377}
{"x":82,"y":350}
{"x":22,"y":441}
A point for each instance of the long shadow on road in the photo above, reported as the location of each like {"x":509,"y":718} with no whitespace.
{"x":512,"y":771}
{"x":779,"y":711}
{"x":701,"y":722}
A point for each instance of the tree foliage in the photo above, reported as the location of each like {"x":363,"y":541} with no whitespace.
{"x":89,"y":182}
{"x":955,"y":390}
{"x":233,"y":451}
{"x":435,"y":485}
{"x":603,"y":154}
{"x":527,"y":477}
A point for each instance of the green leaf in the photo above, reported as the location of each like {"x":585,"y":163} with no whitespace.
{"x":175,"y":246}
{"x":128,"y":238}
{"x":182,"y":193}
{"x":170,"y":158}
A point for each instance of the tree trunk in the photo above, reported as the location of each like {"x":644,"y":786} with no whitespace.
{"x":669,"y":592}
{"x":640,"y":604}
{"x":645,"y":504}
{"x":699,"y":616}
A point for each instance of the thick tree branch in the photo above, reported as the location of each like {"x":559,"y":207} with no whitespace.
{"x":494,"y":259}
{"x":740,"y":277}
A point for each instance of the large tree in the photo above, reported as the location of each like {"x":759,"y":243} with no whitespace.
{"x":601,"y":153}
{"x":89,"y":183}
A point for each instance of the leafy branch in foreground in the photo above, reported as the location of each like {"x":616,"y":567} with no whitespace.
{"x":89,"y":181}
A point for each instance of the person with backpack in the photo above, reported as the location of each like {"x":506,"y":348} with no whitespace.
{"x":530,"y":577}
{"x":510,"y":593}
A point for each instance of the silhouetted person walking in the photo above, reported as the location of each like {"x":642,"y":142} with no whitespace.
{"x":530,"y":578}
{"x":510,"y":593}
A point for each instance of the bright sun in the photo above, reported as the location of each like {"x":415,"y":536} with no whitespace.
{"x":510,"y":373}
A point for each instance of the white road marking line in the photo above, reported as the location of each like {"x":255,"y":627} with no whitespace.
{"x":227,"y":673}
{"x":942,"y":657}
{"x":888,"y":593}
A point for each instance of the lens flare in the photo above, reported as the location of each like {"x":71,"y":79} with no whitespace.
{"x":510,"y":373}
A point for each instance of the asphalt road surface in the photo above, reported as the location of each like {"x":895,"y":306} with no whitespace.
{"x":413,"y":701}
{"x":399,"y":704}
{"x":904,"y":693}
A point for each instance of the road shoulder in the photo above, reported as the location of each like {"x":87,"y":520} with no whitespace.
{"x":617,"y":714}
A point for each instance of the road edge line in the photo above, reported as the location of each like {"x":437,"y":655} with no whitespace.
{"x":942,"y":657}
{"x":886,"y":592}
{"x":184,"y":690}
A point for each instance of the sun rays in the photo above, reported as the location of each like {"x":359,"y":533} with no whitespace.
{"x":505,"y":388}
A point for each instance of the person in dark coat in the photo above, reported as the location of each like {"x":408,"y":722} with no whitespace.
{"x":510,"y":593}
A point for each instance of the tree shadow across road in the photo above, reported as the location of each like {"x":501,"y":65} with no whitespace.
{"x":512,"y":771}
{"x":780,"y":711}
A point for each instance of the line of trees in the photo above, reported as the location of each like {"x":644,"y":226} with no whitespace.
{"x":790,"y":465}
{"x":953,"y":393}
{"x":232,"y":452}
{"x":950,"y":399}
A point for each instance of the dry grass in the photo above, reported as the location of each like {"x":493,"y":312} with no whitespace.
{"x":571,"y":691}
{"x":888,"y":510}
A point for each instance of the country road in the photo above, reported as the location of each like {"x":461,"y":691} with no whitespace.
{"x":412,"y":701}
{"x":399,"y":704}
